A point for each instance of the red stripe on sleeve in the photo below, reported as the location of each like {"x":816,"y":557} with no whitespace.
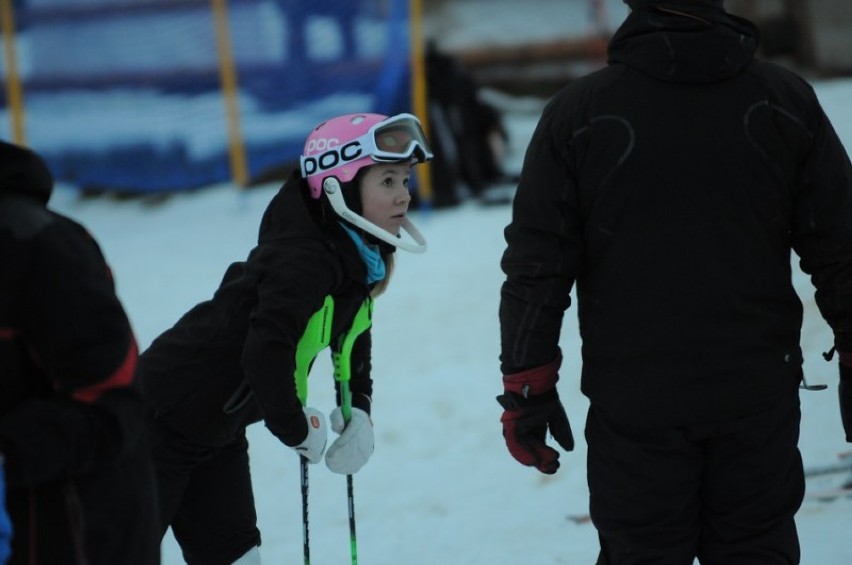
{"x":8,"y":333}
{"x":121,"y":378}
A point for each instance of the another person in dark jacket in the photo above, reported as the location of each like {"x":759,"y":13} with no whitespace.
{"x":231,"y":361}
{"x":672,"y":186}
{"x":80,"y":484}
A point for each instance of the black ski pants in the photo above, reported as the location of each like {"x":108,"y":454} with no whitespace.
{"x":725,"y":493}
{"x":205,"y":496}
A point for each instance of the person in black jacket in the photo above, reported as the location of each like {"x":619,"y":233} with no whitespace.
{"x":671,"y":186}
{"x":80,"y":483}
{"x":230,"y":361}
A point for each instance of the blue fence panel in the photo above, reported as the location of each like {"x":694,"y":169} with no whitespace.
{"x":125,"y":94}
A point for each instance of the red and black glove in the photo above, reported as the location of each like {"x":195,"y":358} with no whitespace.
{"x":532,"y":407}
{"x":845,"y":392}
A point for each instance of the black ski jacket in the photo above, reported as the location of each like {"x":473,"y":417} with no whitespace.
{"x":230,"y":361}
{"x":78,"y":470}
{"x":671,"y":186}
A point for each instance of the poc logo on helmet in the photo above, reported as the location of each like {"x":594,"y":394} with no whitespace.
{"x":321,"y":144}
{"x":333,"y":156}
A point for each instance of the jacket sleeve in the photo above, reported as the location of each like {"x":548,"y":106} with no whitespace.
{"x":76,"y":331}
{"x":822,"y":234}
{"x":543,"y":250}
{"x":293,"y":281}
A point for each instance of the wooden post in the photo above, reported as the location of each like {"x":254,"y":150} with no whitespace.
{"x":228,"y":76}
{"x":600,"y":18}
{"x":14,"y":91}
{"x":420,"y":100}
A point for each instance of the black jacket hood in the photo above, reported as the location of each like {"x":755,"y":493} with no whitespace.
{"x":23,"y":171}
{"x":292,"y":214}
{"x":686,"y":41}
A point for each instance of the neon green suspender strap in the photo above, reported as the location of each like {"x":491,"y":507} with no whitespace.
{"x":317,"y":337}
{"x":342,"y":355}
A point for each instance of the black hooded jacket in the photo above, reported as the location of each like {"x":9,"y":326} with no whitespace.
{"x":230,"y":361}
{"x":671,"y":186}
{"x":78,"y":471}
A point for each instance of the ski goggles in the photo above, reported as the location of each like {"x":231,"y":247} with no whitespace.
{"x":398,"y":138}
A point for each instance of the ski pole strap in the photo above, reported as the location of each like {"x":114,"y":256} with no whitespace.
{"x":317,"y":337}
{"x":342,"y":354}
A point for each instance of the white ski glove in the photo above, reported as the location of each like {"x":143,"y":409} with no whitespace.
{"x":353,"y":448}
{"x":314,"y":445}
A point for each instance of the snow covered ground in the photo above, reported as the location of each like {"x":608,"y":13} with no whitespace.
{"x":441,"y":488}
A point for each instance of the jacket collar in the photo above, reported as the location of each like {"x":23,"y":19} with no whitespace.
{"x":693,"y":41}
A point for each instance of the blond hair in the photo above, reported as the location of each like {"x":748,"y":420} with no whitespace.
{"x":382,"y":285}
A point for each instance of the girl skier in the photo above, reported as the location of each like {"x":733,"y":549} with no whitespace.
{"x":230,"y":361}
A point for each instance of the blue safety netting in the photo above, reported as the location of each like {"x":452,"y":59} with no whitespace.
{"x":126,"y":95}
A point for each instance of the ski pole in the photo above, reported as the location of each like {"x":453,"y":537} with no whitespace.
{"x":841,"y":467}
{"x":317,"y":336}
{"x":342,"y":373}
{"x":350,"y":492}
{"x":306,"y":536}
{"x":805,"y":386}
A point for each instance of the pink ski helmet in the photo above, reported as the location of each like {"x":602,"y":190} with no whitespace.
{"x":342,"y":146}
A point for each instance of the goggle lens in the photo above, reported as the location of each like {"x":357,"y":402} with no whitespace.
{"x":400,"y":138}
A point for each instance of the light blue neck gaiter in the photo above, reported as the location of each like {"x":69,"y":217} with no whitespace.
{"x":370,"y":254}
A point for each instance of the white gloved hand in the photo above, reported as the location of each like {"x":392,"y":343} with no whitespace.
{"x":313,"y":446}
{"x":353,"y":448}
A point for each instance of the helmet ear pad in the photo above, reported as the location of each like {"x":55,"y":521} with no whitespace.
{"x":351,"y":191}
